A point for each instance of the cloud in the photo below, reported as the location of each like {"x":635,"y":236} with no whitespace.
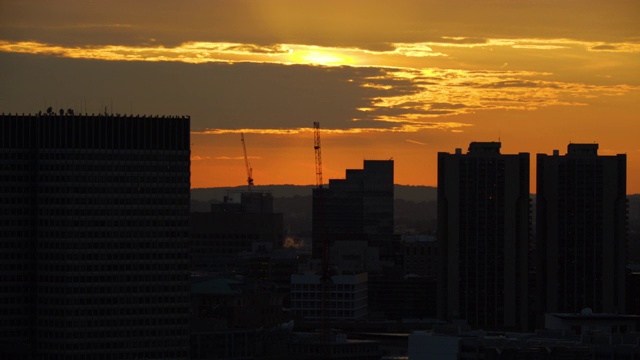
{"x":517,"y":84}
{"x":329,"y":22}
{"x":447,"y":106}
{"x":462,"y":40}
{"x":235,"y":157}
{"x":262,"y":89}
{"x":604,"y":47}
{"x":415,"y":50}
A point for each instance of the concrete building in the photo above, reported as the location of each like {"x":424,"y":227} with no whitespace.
{"x":451,"y":342}
{"x":484,"y":237}
{"x":357,"y":208}
{"x":348,"y":294}
{"x":310,"y":346}
{"x":93,"y":230}
{"x":581,"y":230}
{"x":587,"y":323}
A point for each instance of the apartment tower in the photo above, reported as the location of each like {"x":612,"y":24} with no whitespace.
{"x":484,"y":237}
{"x":581,"y":230}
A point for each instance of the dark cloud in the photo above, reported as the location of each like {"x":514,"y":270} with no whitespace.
{"x":447,"y":106}
{"x":516,"y":84}
{"x":256,"y":49}
{"x":216,"y":95}
{"x":373,"y":25}
{"x":604,"y":47}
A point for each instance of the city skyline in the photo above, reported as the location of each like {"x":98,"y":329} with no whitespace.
{"x":402,"y":81}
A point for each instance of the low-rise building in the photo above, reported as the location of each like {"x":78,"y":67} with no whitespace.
{"x":348,"y":296}
{"x":458,"y":342}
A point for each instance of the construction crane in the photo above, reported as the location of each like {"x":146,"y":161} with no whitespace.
{"x":246,"y":163}
{"x":316,"y":146}
{"x":325,"y":277}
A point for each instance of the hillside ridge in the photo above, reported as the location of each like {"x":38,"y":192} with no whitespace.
{"x":415,"y":193}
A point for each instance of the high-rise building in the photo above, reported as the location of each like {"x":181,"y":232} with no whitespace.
{"x":581,"y":232}
{"x":484,"y":237}
{"x":94,"y":215}
{"x":359,"y":207}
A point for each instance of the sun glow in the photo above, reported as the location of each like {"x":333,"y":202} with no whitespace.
{"x":321,"y":57}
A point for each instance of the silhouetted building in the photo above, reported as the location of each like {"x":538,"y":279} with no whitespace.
{"x":582,"y":230}
{"x":94,"y":228}
{"x":484,"y":237}
{"x":633,"y":289}
{"x":402,"y":297}
{"x":221,"y":303}
{"x":233,"y":228}
{"x":588,"y":323}
{"x":359,"y":207}
{"x":455,"y":342}
{"x":349,"y":296}
{"x":420,"y":255}
{"x":308,"y":346}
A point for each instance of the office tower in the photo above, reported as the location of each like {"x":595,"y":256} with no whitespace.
{"x":581,"y":230}
{"x":94,"y":213}
{"x":484,"y":237}
{"x":357,"y":208}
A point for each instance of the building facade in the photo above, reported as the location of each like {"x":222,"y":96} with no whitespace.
{"x":234,"y":228}
{"x":94,"y":213}
{"x":581,"y":230}
{"x":359,"y":207}
{"x":484,"y":237}
{"x":348,"y":296}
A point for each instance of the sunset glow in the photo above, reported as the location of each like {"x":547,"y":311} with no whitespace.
{"x":405,"y":80}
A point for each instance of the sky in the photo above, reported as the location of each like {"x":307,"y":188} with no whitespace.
{"x":401,"y":80}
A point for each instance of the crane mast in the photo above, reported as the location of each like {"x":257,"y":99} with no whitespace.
{"x":246,"y":163}
{"x":316,"y":146}
{"x":325,"y":276}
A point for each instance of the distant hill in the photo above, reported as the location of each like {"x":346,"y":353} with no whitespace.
{"x":402,"y":192}
{"x":415,"y":206}
{"x":218,"y":193}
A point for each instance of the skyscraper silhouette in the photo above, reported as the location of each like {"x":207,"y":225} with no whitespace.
{"x":581,"y":230}
{"x":94,"y":237}
{"x":484,"y":237}
{"x":359,"y":207}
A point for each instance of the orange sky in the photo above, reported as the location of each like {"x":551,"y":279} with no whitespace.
{"x":402,"y":79}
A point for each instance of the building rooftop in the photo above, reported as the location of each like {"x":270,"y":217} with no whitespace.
{"x":582,"y":149}
{"x":492,"y":147}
